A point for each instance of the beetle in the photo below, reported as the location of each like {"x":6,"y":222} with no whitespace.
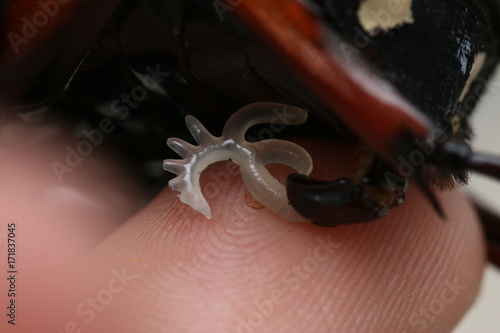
{"x":145,"y":64}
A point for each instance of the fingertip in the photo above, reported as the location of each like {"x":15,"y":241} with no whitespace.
{"x":408,"y":272}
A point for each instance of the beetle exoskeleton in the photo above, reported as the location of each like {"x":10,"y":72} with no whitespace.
{"x":399,"y":78}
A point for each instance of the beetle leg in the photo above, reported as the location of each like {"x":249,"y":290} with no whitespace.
{"x":454,"y":156}
{"x":347,"y":200}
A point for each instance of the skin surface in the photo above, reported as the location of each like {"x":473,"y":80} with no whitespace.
{"x":86,"y":264}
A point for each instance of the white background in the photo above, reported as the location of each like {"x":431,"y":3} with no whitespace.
{"x":485,"y":314}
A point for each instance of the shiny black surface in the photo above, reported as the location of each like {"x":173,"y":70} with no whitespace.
{"x":429,"y":60}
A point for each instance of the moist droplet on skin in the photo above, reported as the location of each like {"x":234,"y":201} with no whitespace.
{"x":252,"y":203}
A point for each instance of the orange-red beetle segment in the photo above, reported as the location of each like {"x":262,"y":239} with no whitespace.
{"x":302,"y":20}
{"x":366,"y":103}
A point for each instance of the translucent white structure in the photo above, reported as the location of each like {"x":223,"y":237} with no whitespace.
{"x":252,"y":157}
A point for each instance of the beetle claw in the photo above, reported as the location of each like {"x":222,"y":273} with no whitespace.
{"x":343,"y":201}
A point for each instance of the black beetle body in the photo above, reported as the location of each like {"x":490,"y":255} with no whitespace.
{"x":145,"y":64}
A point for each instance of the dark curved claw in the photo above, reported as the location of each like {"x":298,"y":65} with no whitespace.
{"x":330,"y":204}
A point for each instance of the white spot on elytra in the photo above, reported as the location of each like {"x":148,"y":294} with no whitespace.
{"x":456,"y":123}
{"x":478,"y":65}
{"x":382,"y":15}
